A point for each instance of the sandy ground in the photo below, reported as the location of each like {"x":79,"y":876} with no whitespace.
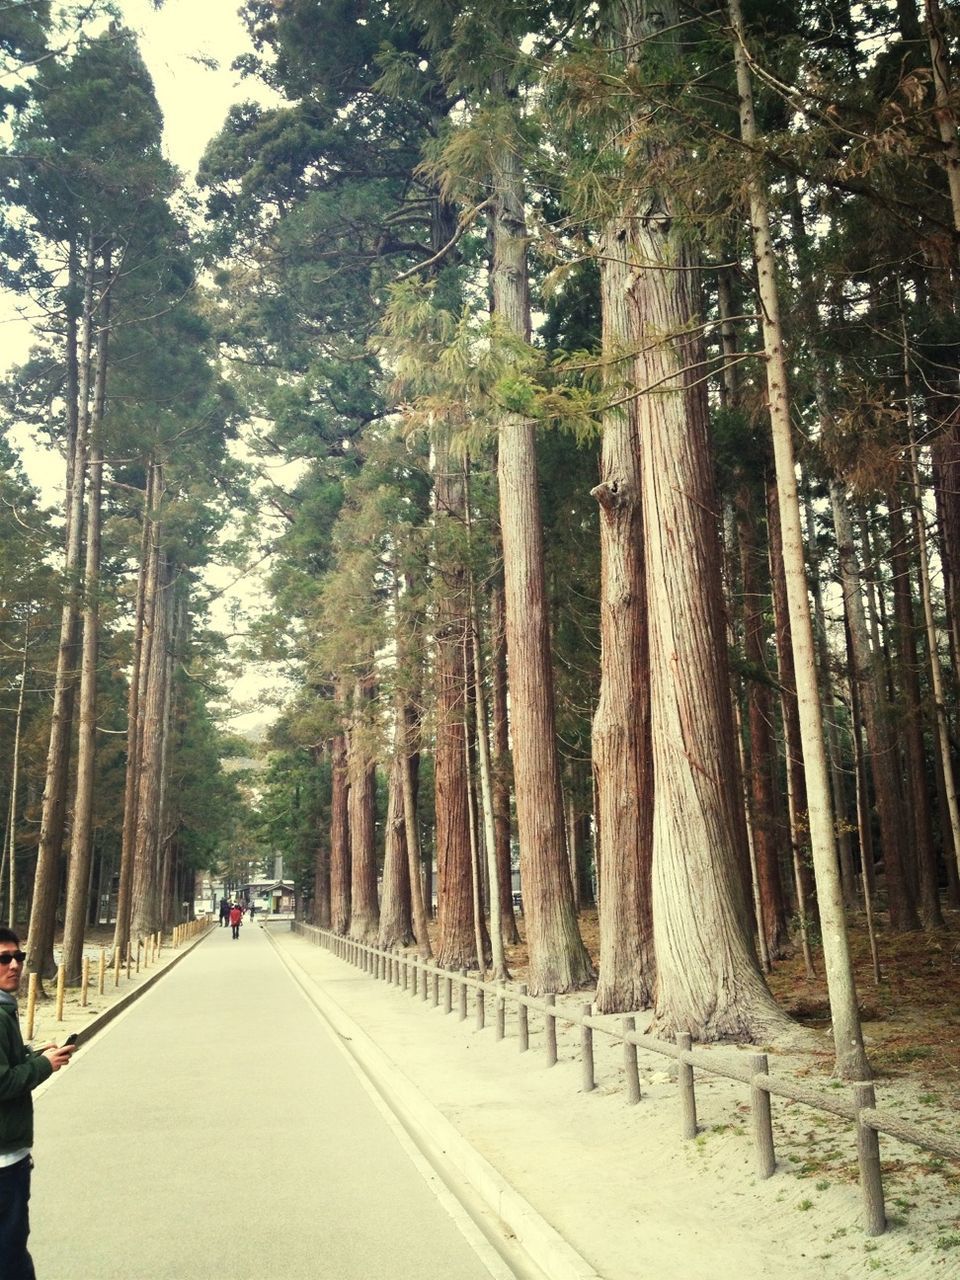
{"x":618,"y":1181}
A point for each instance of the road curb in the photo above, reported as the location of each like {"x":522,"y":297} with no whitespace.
{"x":442,"y":1142}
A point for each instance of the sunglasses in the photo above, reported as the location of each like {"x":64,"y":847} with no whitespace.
{"x":7,"y":956}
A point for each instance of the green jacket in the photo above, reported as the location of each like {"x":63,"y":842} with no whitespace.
{"x":21,"y":1070}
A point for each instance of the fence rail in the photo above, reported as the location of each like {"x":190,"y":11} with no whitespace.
{"x":413,"y":974}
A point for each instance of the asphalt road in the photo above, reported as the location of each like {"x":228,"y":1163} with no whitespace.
{"x":217,"y":1129}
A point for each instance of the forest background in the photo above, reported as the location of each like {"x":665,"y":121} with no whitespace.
{"x":612,"y":351}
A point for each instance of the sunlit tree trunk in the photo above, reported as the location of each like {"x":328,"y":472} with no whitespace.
{"x":361,"y":769}
{"x":395,"y":916}
{"x":501,"y":762}
{"x":339,"y":835}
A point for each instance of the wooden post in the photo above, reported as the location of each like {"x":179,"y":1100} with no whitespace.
{"x":630,"y":1062}
{"x":762,"y":1124}
{"x":425,"y":983}
{"x":436,"y":988}
{"x":550,"y":1029}
{"x":117,"y":962}
{"x":481,"y":1009}
{"x":463,"y":995}
{"x":415,"y":979}
{"x":688,"y":1099}
{"x":523,"y":1022}
{"x":102,"y":971}
{"x":84,"y":981}
{"x":31,"y":1004}
{"x":448,"y":994}
{"x":138,"y":955}
{"x":129,"y":958}
{"x":868,"y":1157}
{"x":501,"y":1015}
{"x":61,"y":984}
{"x":406,"y":972}
{"x":586,"y":1050}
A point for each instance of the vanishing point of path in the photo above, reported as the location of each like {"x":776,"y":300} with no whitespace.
{"x":217,"y":1129}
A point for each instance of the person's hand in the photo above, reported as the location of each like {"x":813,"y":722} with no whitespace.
{"x":59,"y":1055}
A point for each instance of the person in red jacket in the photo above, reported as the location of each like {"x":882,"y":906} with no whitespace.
{"x":236,"y":916}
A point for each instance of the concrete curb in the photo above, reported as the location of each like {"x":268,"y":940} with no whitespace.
{"x":442,"y":1142}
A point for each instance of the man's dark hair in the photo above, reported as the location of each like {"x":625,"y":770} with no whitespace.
{"x":7,"y":935}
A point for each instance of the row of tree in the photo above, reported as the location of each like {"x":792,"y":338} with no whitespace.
{"x":696,"y":537}
{"x":110,"y":777}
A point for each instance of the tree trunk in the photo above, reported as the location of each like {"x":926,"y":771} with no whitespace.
{"x":558,"y":960}
{"x":395,"y":913}
{"x":321,"y":876}
{"x":917,"y":811}
{"x":340,"y":871}
{"x":361,"y":768}
{"x":851,"y":1059}
{"x":46,"y":885}
{"x":501,"y":763}
{"x":11,"y":842}
{"x":881,"y":749}
{"x":151,"y":503}
{"x":456,"y":945}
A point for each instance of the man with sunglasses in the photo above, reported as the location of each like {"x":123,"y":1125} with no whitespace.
{"x":21,"y":1070}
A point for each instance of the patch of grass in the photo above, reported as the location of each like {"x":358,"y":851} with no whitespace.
{"x":823,"y":1184}
{"x":948,"y":1242}
{"x":804,"y":1205}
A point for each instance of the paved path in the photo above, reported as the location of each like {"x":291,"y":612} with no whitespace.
{"x":218,"y":1130}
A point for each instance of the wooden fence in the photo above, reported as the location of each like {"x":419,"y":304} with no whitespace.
{"x":419,"y":977}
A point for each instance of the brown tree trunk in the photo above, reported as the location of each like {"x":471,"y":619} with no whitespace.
{"x":883,"y":757}
{"x":321,"y":867}
{"x":46,"y":884}
{"x":558,"y":960}
{"x":501,"y":764}
{"x":395,"y":915}
{"x":917,"y":812}
{"x":456,"y":945}
{"x":361,"y":769}
{"x":340,"y":872}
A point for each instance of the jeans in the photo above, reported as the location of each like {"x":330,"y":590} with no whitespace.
{"x":15,"y":1261}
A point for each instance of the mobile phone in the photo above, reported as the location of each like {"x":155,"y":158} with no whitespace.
{"x":71,"y":1039}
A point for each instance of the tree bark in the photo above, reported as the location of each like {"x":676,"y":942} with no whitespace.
{"x":558,"y":960}
{"x":361,"y":768}
{"x":340,"y":871}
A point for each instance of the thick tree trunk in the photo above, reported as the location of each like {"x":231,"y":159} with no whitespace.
{"x":622,"y":751}
{"x":361,"y":768}
{"x":851,"y":1060}
{"x":558,"y":960}
{"x":11,"y":840}
{"x":340,"y":873}
{"x":321,"y":867}
{"x":395,"y":914}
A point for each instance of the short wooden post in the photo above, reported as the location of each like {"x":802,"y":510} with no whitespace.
{"x":436,"y":988}
{"x":762,"y":1122}
{"x":425,"y":981}
{"x":61,"y":985}
{"x":463,"y":995}
{"x":550,"y":1028}
{"x":688,"y":1099}
{"x":129,"y":959}
{"x":138,"y":955}
{"x":481,"y":1009}
{"x":501,"y":1006}
{"x":415,"y":976}
{"x":84,"y":981}
{"x":102,"y":970}
{"x":31,"y":1004}
{"x":868,"y":1157}
{"x":523,"y":1021}
{"x":117,"y":962}
{"x":586,"y":1050}
{"x":406,"y":971}
{"x":630,"y":1061}
{"x":448,"y":994}
{"x":397,"y":968}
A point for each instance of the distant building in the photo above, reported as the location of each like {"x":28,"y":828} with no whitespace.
{"x":274,"y":896}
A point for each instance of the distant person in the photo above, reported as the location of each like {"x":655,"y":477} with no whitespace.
{"x":236,"y":918}
{"x":224,"y":912}
{"x":253,"y":911}
{"x":21,"y":1070}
